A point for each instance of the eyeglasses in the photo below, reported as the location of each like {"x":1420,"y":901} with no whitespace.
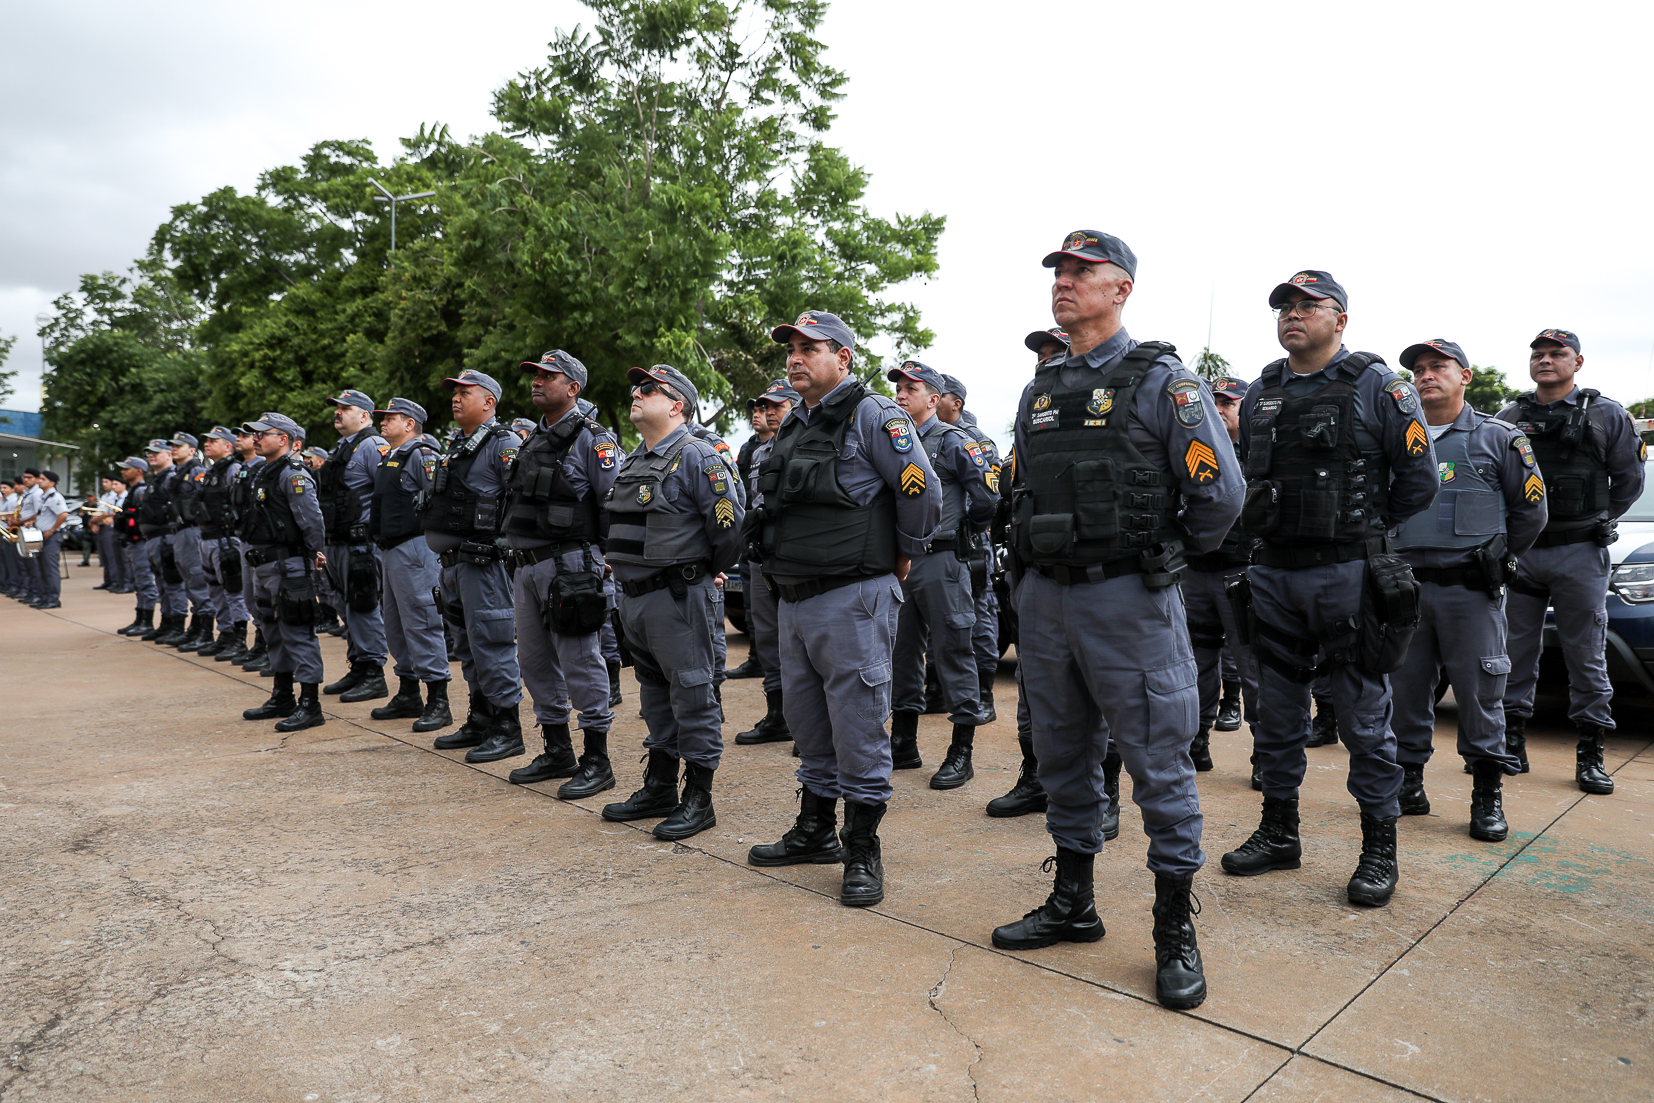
{"x":647,"y":389}
{"x":1304,"y":307}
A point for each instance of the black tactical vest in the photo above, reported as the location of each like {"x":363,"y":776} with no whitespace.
{"x":241,"y":494}
{"x":540,"y":500}
{"x":809,"y":527}
{"x":270,"y":519}
{"x":213,"y":501}
{"x":645,"y":528}
{"x":393,"y":516}
{"x":341,"y":504}
{"x":184,"y":507}
{"x":156,"y":509}
{"x":1307,"y":482}
{"x":451,"y":506}
{"x":127,"y":526}
{"x":1088,"y":494}
{"x":1572,"y":457}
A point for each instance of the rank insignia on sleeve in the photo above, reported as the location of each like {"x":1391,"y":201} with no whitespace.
{"x":605,"y":450}
{"x":1642,"y":452}
{"x":1534,"y":489}
{"x":975,"y":450}
{"x":645,"y":494}
{"x":1406,"y":400}
{"x":1417,"y":441}
{"x":913,"y":480}
{"x":1524,"y":448}
{"x":1190,"y":410}
{"x":901,"y":433}
{"x":723,"y":512}
{"x":1201,"y":461}
{"x":991,"y":477}
{"x":1102,"y":401}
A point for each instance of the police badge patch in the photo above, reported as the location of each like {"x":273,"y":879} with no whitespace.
{"x":507,"y":455}
{"x":605,"y":450}
{"x":901,"y":434}
{"x":430,"y":464}
{"x":1445,"y":468}
{"x":1406,"y":400}
{"x":718,"y":475}
{"x":645,"y":494}
{"x":1190,"y":410}
{"x":298,"y":484}
{"x":975,"y":450}
{"x":1524,"y":448}
{"x":1102,"y":401}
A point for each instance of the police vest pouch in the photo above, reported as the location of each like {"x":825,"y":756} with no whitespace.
{"x":169,"y":565}
{"x":1051,"y":534}
{"x":1319,"y":429}
{"x":296,"y":601}
{"x":362,"y":583}
{"x":1261,"y":510}
{"x":229,"y":568}
{"x":575,"y":603}
{"x":1389,"y":613}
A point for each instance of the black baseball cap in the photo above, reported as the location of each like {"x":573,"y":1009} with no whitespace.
{"x":1560,"y":336}
{"x":1314,"y":283}
{"x":1095,"y":246}
{"x":1448,"y":348}
{"x":1042,"y":337}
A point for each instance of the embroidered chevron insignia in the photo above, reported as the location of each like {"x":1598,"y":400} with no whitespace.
{"x":1201,"y":461}
{"x":1416,"y":440}
{"x":723,"y":512}
{"x":1534,"y":489}
{"x":913,"y":480}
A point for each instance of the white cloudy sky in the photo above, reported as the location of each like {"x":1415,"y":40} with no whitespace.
{"x":1471,"y":170}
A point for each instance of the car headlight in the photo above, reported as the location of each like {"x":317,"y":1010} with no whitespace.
{"x":1634,"y":582}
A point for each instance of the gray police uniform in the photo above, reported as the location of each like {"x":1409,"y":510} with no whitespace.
{"x":674,"y":523}
{"x":462,"y":518}
{"x":413,"y":628}
{"x":345,"y":487}
{"x":1591,"y":460}
{"x":835,"y":518}
{"x":720,"y":640}
{"x":763,"y":610}
{"x":146,"y":593}
{"x":939,"y":610}
{"x":985,"y":632}
{"x":220,"y":548}
{"x":283,"y":534}
{"x":1109,"y":445}
{"x":560,"y":476}
{"x":241,"y":499}
{"x":1360,"y":421}
{"x":52,"y":506}
{"x":186,"y":536}
{"x":1491,"y":506}
{"x":1212,"y":630}
{"x":153,"y":520}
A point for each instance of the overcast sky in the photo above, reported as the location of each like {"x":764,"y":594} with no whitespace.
{"x":1470,"y":171}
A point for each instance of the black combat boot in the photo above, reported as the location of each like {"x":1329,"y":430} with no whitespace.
{"x":1274,"y":845}
{"x":1487,"y":807}
{"x":863,"y":884}
{"x":595,"y":774}
{"x":1323,"y":730}
{"x":772,"y":728}
{"x":556,"y":761}
{"x":436,"y":715}
{"x":934,"y":704}
{"x":614,"y":682}
{"x":142,"y":621}
{"x":370,"y":687}
{"x":1111,"y":789}
{"x":1414,"y":800}
{"x":694,"y":812}
{"x":1069,"y":914}
{"x":813,"y":837}
{"x":1200,"y":750}
{"x":1179,"y":980}
{"x":473,"y":731}
{"x":1516,"y":738}
{"x":1589,"y":773}
{"x":505,"y":737}
{"x":985,"y":694}
{"x":169,"y":633}
{"x":1257,"y":773}
{"x":281,"y":701}
{"x":332,"y":624}
{"x":752,"y":668}
{"x":1229,"y":708}
{"x":235,"y":650}
{"x":1376,"y":874}
{"x":904,"y":741}
{"x":258,"y":655}
{"x":308,"y":714}
{"x":214,"y":644}
{"x":659,"y":795}
{"x":198,"y":633}
{"x":956,"y":764}
{"x":353,"y":678}
{"x":1027,"y":795}
{"x":404,"y":706}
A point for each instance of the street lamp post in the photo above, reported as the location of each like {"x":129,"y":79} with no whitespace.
{"x":393,"y":200}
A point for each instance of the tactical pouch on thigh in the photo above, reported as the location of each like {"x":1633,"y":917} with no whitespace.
{"x":575,"y":604}
{"x":229,"y":567}
{"x":296,"y":601}
{"x":169,"y":566}
{"x":362,"y":582}
{"x":1389,"y":613}
{"x":1239,"y":592}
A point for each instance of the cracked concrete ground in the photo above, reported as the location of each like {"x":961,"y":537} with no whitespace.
{"x":197,"y":908}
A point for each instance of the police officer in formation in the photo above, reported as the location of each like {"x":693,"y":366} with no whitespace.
{"x":1120,"y":457}
{"x":758,"y":420}
{"x":849,"y":498}
{"x":256,"y":656}
{"x":134,"y":470}
{"x":1336,"y":453}
{"x":554,"y":524}
{"x":763,"y":610}
{"x":462,"y":513}
{"x":411,"y":572}
{"x":674,"y":525}
{"x":939,"y":610}
{"x":1489,"y":509}
{"x":154,"y":520}
{"x":187,"y":474}
{"x":220,"y":546}
{"x":344,"y":487}
{"x":985,"y":631}
{"x":1591,"y":460}
{"x":284,"y":535}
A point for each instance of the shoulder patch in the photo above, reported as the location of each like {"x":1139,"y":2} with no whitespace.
{"x":430,"y":462}
{"x":1524,"y":448}
{"x":901,"y":435}
{"x":991,"y":477}
{"x":298,"y":482}
{"x":384,"y":449}
{"x":1186,"y":403}
{"x":723,"y":448}
{"x":1642,"y":452}
{"x":605,"y":450}
{"x":1182,"y":384}
{"x":975,"y":450}
{"x":507,"y":455}
{"x":913,"y":480}
{"x":1407,"y":400}
{"x":718,"y":475}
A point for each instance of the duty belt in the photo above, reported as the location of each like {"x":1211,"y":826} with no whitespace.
{"x":946,"y":543}
{"x":273,"y":553}
{"x":479,"y":555}
{"x":815,"y":587}
{"x":1567,"y":536}
{"x":527,"y":557}
{"x":679,"y":578}
{"x":1469,"y":577}
{"x":387,"y":545}
{"x":1267,"y":555}
{"x":1065,"y":575}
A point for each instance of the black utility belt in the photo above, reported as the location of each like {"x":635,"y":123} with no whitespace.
{"x":678,"y":578}
{"x":274,"y":553}
{"x":478,"y":555}
{"x":527,"y":557}
{"x":1216,"y":563}
{"x":1568,"y":536}
{"x":1471,"y":577}
{"x":947,"y":543}
{"x":1066,"y":574}
{"x":815,"y":587}
{"x":395,"y":542}
{"x":1320,"y":555}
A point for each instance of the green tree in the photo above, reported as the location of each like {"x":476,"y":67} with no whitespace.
{"x":6,"y":377}
{"x":1209,"y":365}
{"x":1488,"y":391}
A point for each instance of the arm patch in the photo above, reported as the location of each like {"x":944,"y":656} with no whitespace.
{"x":1524,"y":448}
{"x":1407,"y":400}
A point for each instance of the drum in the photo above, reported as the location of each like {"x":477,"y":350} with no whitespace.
{"x":29,"y":541}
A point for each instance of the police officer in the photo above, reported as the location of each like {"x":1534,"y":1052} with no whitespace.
{"x":763,"y":613}
{"x":256,"y":656}
{"x":985,"y":630}
{"x":461,"y":513}
{"x":758,"y":417}
{"x":674,"y":523}
{"x":133,"y":470}
{"x":1591,"y":460}
{"x":1119,"y":454}
{"x":220,"y":549}
{"x":154,"y":518}
{"x":553,"y":522}
{"x":1490,"y":508}
{"x":284,"y":535}
{"x":522,"y":426}
{"x":188,"y":471}
{"x":344,"y":486}
{"x":48,"y":519}
{"x":849,"y":498}
{"x":1212,"y":631}
{"x":1336,"y":452}
{"x":413,"y":629}
{"x":938,"y":607}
